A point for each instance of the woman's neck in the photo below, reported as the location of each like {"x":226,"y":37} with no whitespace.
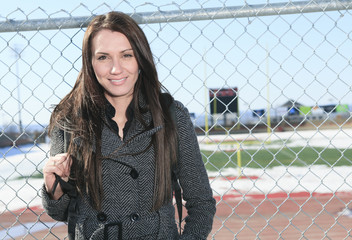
{"x":120,"y":105}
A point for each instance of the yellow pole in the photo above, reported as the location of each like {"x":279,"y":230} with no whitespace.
{"x":214,"y":102}
{"x":239,"y":161}
{"x":215,"y":110}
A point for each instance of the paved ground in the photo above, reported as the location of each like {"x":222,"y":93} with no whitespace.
{"x":299,"y":217}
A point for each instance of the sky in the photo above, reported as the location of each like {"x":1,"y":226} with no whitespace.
{"x":269,"y":59}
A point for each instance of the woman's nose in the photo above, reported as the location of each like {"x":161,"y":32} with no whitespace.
{"x":116,"y":67}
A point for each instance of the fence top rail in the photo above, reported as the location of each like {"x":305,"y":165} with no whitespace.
{"x":185,"y":15}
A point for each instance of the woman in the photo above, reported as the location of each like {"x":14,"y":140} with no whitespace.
{"x":123,"y":145}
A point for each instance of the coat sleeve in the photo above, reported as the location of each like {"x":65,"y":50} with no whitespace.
{"x":57,"y":209}
{"x":197,"y":194}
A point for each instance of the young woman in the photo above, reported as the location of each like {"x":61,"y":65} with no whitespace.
{"x":123,"y":143}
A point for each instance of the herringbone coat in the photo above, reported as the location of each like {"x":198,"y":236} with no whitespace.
{"x":128,"y":180}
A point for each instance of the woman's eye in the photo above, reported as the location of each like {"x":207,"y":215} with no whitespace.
{"x":127,"y":55}
{"x":102,"y":57}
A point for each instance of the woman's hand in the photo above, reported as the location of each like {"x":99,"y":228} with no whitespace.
{"x":61,"y":165}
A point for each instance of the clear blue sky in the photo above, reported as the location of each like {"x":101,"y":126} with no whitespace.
{"x":309,"y":56}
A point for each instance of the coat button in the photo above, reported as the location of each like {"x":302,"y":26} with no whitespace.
{"x":134,"y":217}
{"x":102,"y":217}
{"x":134,"y":174}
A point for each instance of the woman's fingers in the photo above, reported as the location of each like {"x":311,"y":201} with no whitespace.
{"x":59,"y":164}
{"x":59,"y":159}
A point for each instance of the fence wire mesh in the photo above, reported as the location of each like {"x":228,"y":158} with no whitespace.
{"x":268,"y":86}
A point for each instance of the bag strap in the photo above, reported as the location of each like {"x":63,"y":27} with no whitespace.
{"x":70,"y":189}
{"x":58,"y":179}
{"x":178,"y":197}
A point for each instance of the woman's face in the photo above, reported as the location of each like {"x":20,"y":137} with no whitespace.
{"x":114,"y":64}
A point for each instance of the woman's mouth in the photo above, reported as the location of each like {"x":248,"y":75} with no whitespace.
{"x":118,"y":81}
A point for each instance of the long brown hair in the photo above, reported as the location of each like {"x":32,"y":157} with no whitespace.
{"x":84,"y":104}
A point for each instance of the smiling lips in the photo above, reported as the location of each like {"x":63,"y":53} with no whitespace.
{"x":119,"y":81}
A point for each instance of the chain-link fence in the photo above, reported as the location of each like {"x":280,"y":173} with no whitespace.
{"x":268,"y":86}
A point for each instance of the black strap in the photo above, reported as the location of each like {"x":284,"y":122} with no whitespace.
{"x":70,"y":189}
{"x":57,"y":179}
{"x":178,"y":197}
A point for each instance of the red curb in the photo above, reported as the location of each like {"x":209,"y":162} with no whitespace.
{"x":281,"y":195}
{"x":227,"y":197}
{"x":235,"y":178}
{"x":32,"y":209}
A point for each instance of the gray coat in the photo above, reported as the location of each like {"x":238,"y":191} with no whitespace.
{"x":128,"y":188}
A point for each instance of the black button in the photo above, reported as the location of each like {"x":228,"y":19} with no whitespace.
{"x":101,"y":217}
{"x":134,"y":174}
{"x":135,"y":217}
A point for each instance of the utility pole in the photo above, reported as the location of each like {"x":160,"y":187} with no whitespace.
{"x":19,"y":81}
{"x":206,"y":96}
{"x":268,"y":94}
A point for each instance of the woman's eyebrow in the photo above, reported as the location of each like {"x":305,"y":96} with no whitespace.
{"x":105,"y":53}
{"x":126,"y":50}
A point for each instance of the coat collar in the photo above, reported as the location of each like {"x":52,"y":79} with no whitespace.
{"x":135,"y":128}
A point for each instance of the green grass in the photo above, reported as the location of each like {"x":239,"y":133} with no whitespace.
{"x":268,"y":158}
{"x":34,"y":175}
